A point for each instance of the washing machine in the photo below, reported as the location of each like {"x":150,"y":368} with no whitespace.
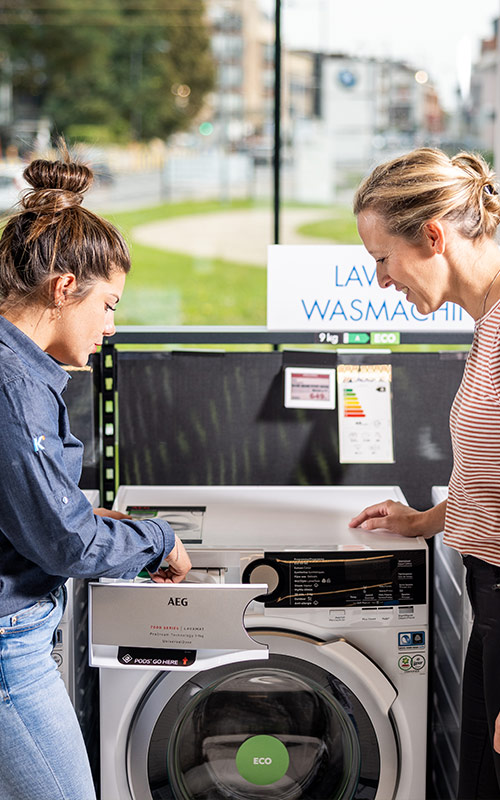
{"x":329,"y":702}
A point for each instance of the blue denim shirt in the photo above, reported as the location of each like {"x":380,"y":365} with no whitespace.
{"x":48,"y":531}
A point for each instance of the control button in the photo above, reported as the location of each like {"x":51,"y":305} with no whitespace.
{"x":265,"y":573}
{"x":262,"y":760}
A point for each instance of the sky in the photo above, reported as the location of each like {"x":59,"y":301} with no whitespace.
{"x":427,"y":34}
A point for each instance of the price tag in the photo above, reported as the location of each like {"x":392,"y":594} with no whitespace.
{"x":309,"y":387}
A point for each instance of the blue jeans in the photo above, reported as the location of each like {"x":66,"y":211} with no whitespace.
{"x":42,"y":752}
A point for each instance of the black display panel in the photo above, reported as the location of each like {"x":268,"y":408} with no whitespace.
{"x":343,"y":579}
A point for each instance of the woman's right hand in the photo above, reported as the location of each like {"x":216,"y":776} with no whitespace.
{"x":178,"y":565}
{"x":396,"y":518}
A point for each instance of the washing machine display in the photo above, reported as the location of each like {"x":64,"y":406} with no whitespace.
{"x":305,"y":579}
{"x":337,"y":711}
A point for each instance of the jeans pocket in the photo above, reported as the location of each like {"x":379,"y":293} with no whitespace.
{"x":32,"y":616}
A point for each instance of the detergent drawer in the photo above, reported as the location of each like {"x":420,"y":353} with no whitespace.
{"x":170,"y":626}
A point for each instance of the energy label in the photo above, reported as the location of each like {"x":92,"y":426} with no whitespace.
{"x":365,"y":413}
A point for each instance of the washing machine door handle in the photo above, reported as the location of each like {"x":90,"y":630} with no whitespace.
{"x":361,"y":671}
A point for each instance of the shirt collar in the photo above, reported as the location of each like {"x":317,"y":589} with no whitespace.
{"x":36,"y":359}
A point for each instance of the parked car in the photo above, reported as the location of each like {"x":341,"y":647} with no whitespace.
{"x":102,"y":173}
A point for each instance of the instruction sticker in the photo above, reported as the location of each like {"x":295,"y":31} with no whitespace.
{"x":365,"y":413}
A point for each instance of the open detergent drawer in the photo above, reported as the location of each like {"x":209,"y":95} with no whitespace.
{"x":182,"y":626}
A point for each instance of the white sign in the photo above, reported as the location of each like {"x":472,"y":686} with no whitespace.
{"x":334,"y":288}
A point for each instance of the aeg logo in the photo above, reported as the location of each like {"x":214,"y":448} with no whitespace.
{"x":177,"y":601}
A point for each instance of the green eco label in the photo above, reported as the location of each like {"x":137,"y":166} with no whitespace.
{"x":262,"y":760}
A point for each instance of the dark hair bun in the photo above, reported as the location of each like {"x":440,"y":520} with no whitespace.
{"x":56,"y":185}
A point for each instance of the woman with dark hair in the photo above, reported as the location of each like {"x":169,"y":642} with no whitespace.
{"x":430,"y":223}
{"x":62,"y":272}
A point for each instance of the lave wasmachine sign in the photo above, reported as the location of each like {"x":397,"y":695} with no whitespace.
{"x":316,"y":691}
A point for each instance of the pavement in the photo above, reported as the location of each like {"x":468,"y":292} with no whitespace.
{"x":239,"y":236}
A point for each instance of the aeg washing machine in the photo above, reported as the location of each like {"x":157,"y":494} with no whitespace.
{"x":338,"y":708}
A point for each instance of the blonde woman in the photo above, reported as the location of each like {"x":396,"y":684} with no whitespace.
{"x":429,"y":221}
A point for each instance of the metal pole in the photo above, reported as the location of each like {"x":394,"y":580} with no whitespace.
{"x":277,"y":121}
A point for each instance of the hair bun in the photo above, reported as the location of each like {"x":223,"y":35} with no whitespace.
{"x":56,"y":185}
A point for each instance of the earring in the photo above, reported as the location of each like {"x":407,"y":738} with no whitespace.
{"x":59,"y":306}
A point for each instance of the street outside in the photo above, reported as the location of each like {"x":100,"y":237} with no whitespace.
{"x":237,"y":236}
{"x":241,"y":235}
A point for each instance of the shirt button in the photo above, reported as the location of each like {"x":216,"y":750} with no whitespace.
{"x":65,"y":499}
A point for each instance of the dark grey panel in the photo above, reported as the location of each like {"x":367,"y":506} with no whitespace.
{"x":218,"y":418}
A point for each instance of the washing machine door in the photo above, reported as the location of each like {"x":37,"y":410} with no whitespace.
{"x":312,"y":722}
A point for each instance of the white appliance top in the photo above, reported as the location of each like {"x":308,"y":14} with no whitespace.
{"x":305,"y":517}
{"x":92,"y":496}
{"x":439,"y":493}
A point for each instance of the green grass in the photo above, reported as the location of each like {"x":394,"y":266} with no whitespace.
{"x":341,"y":228}
{"x":170,"y":288}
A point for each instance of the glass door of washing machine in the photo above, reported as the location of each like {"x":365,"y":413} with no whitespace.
{"x":282,"y":728}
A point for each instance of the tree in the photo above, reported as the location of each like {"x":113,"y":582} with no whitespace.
{"x":139,"y":67}
{"x":163,"y":65}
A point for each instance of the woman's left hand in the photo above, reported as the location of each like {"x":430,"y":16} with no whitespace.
{"x":496,"y":738}
{"x":107,"y":512}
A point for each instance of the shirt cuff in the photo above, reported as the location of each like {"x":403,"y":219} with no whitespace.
{"x":168,"y":544}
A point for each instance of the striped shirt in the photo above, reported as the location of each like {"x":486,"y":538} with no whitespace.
{"x":472,"y":523}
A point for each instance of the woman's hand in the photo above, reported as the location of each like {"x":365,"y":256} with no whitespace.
{"x":107,"y":512}
{"x":399,"y":518}
{"x":178,"y":560}
{"x":178,"y":565}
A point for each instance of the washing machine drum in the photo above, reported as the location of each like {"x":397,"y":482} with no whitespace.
{"x":281,"y":728}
